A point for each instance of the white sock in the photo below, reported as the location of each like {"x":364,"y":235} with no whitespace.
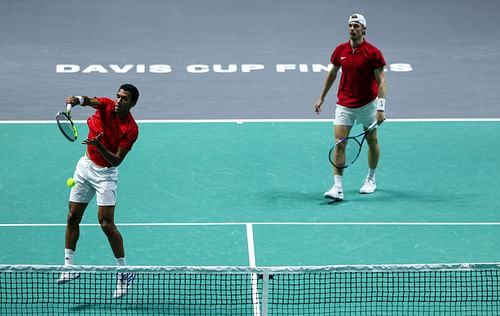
{"x":121,"y":261}
{"x":337,"y":180}
{"x":371,"y":173}
{"x":68,"y":257}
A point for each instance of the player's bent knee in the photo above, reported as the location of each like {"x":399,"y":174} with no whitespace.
{"x":108,"y":227}
{"x":74,"y":217}
{"x":72,"y":220}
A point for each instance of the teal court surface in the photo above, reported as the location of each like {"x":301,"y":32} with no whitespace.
{"x":202,"y":190}
{"x":227,"y":193}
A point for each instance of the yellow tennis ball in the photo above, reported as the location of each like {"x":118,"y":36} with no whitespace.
{"x":70,"y":182}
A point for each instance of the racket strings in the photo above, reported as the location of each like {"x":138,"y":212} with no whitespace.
{"x":343,"y":158}
{"x":351,"y":151}
{"x":66,"y":126}
{"x":347,"y":151}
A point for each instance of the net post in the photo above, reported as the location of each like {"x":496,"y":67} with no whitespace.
{"x":265,"y":292}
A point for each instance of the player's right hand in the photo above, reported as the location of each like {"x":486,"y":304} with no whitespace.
{"x":72,"y":100}
{"x":75,"y":100}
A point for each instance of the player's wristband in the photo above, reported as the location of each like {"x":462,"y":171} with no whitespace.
{"x":381,"y":104}
{"x":80,"y":99}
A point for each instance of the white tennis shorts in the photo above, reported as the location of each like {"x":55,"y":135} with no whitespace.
{"x":92,"y":179}
{"x":366,"y":115}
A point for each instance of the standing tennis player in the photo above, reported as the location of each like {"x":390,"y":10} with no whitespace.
{"x":361,"y":98}
{"x":112,"y":132}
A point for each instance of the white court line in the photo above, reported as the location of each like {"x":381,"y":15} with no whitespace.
{"x":251,"y":248}
{"x":263,"y":121}
{"x":269,"y":223}
{"x":317,"y":120}
{"x":252,"y":264}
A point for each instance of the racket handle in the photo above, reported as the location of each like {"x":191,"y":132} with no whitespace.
{"x":374,"y":125}
{"x":68,"y":107}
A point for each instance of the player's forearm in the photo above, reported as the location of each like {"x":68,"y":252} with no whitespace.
{"x":382,"y":89}
{"x":113,"y":159}
{"x":82,"y":100}
{"x":330,"y":79}
{"x":380,"y":78}
{"x":88,"y":101}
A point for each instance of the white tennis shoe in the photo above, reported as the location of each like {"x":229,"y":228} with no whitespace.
{"x":369,"y":186}
{"x":124,"y":282}
{"x":336,"y":193}
{"x":68,"y":276}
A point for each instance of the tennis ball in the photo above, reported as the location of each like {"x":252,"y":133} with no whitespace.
{"x":70,"y":182}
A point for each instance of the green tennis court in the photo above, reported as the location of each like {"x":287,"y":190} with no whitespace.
{"x":249,"y":194}
{"x":202,"y":190}
{"x":189,"y":192}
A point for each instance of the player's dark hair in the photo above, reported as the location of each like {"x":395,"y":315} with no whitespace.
{"x":132,"y":89}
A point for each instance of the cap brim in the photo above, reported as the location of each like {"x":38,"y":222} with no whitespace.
{"x":357,"y":22}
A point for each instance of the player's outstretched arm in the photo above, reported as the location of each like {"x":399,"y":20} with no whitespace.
{"x":82,"y":101}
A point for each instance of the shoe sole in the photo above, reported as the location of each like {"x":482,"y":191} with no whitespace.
{"x":335,"y":199}
{"x":67,"y":280}
{"x":366,"y":192}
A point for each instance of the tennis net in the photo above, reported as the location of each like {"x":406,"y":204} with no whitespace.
{"x":437,"y":289}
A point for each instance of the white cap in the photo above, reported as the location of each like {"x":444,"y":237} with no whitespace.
{"x":357,"y":18}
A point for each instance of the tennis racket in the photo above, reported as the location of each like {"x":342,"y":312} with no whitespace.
{"x":353,"y":145}
{"x":66,"y":125}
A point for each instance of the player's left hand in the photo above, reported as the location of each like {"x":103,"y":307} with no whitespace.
{"x":96,"y":141}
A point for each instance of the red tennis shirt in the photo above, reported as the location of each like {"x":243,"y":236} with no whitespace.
{"x":357,"y":85}
{"x":116,"y":132}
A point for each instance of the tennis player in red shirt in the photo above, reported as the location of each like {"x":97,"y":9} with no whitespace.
{"x":112,"y":132}
{"x":361,"y":98}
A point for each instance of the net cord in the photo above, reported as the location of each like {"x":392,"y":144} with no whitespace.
{"x":256,"y":270}
{"x":260,"y":301}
